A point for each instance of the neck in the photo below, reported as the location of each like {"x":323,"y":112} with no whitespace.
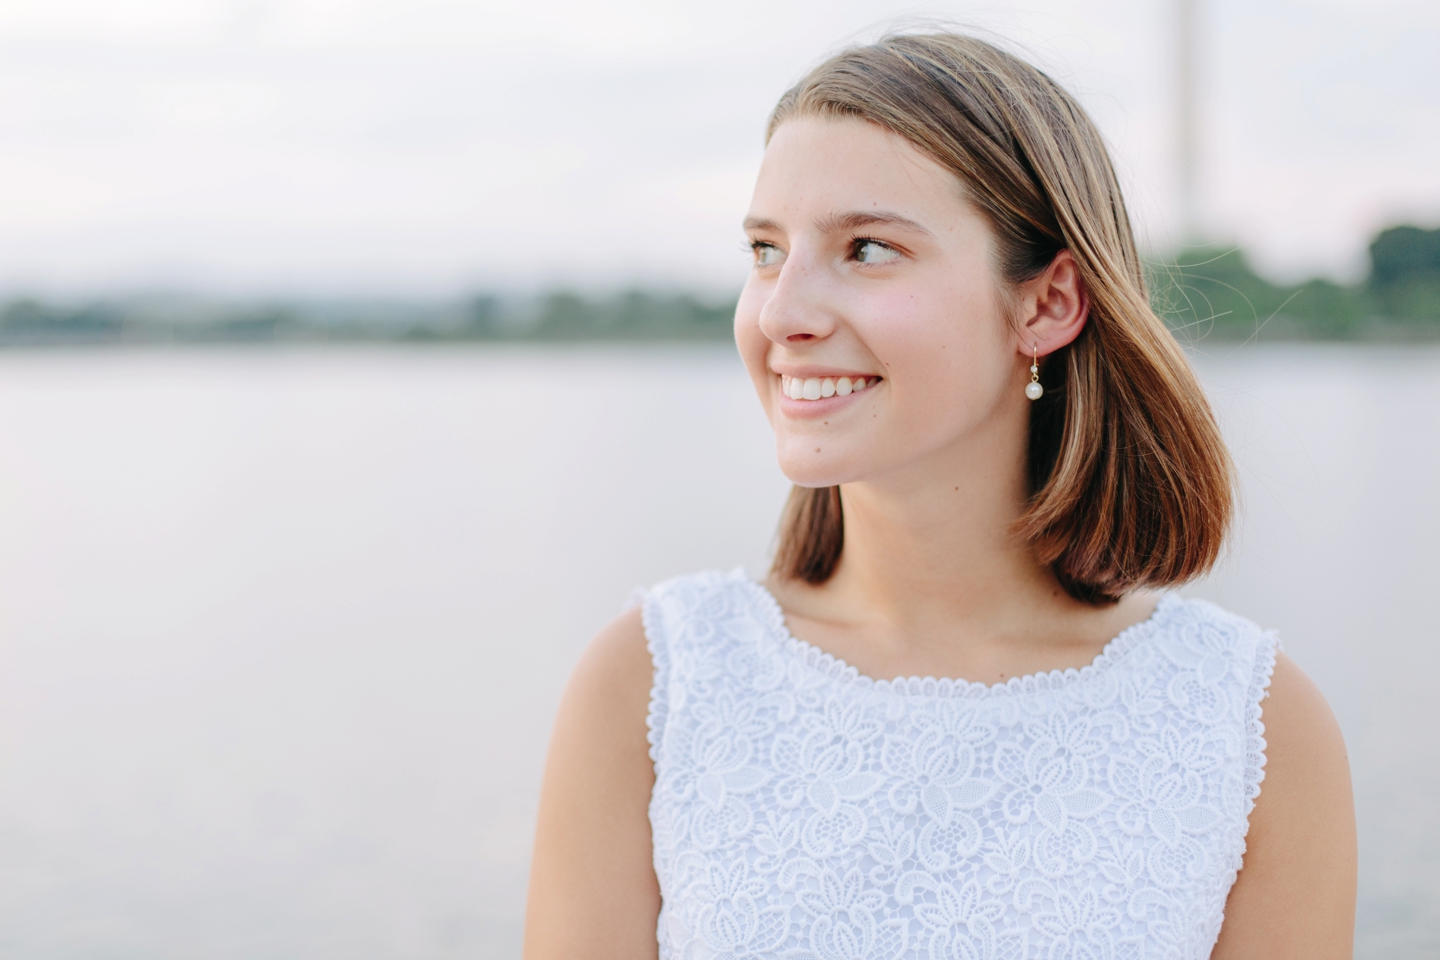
{"x":932,"y":549}
{"x":933,"y":580}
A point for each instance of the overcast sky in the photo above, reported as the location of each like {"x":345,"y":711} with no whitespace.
{"x":427,"y":147}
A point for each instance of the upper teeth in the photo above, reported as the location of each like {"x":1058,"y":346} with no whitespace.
{"x":816,"y":387}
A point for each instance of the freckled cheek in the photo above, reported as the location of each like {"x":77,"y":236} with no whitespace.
{"x":909,"y":344}
{"x":932,"y":363}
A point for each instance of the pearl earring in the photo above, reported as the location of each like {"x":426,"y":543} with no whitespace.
{"x":1033,"y":390}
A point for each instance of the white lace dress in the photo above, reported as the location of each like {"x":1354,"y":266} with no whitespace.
{"x":802,"y":810}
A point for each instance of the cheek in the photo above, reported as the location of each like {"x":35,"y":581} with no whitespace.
{"x":753,"y":345}
{"x":947,"y":363}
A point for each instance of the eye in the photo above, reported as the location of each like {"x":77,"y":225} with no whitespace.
{"x":874,"y":251}
{"x":766,"y":254}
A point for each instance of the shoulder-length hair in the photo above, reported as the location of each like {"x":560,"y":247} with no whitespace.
{"x":1130,"y":484}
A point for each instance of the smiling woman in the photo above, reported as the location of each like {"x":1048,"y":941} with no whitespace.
{"x":745,"y":769}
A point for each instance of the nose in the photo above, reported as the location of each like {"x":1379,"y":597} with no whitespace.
{"x":800,"y":306}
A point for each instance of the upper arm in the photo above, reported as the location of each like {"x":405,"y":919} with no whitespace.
{"x":1295,"y":894}
{"x":593,"y":892}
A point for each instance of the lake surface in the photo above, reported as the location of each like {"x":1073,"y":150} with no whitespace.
{"x":281,"y":632}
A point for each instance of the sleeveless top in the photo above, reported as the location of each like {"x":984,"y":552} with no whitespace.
{"x":805,"y":811}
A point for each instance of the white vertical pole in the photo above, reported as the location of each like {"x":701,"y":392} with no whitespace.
{"x":1187,"y":121}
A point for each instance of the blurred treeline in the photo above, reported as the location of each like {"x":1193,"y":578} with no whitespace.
{"x":558,"y":316}
{"x":1204,"y":292}
{"x":1212,"y":292}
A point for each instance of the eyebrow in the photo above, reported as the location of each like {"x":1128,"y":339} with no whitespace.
{"x":852,"y":220}
{"x":857,"y":219}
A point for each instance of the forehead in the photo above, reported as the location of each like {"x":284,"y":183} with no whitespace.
{"x":847,"y":163}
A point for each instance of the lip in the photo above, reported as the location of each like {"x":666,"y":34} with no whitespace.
{"x":827,"y":406}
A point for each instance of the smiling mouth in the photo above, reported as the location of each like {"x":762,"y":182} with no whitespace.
{"x":821,"y":388}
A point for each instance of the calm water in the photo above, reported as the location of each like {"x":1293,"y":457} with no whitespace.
{"x":281,"y":632}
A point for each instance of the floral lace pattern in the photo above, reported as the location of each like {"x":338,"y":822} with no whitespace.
{"x":804,"y":811}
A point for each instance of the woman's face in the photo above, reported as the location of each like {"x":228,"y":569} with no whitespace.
{"x":870,"y":265}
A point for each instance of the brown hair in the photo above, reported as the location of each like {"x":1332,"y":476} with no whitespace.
{"x":1130,"y":483}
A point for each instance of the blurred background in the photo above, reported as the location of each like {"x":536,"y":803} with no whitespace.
{"x":359,"y":357}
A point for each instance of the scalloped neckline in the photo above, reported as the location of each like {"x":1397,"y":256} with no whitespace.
{"x":833,"y":666}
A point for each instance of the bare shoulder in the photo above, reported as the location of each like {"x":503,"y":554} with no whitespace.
{"x":1295,"y":895}
{"x":614,"y":672}
{"x":593,"y":891}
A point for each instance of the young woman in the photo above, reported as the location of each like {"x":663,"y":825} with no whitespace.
{"x":1002,"y":460}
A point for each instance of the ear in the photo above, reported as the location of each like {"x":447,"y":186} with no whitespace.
{"x":1053,"y":307}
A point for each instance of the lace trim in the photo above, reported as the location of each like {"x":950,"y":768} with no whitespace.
{"x":832,"y":666}
{"x":659,"y":708}
{"x":1255,"y":745}
{"x":1255,"y":727}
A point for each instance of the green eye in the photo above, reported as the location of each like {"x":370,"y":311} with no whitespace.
{"x":766,"y":254}
{"x":873,"y":251}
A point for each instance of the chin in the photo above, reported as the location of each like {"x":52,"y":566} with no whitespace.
{"x":809,"y":469}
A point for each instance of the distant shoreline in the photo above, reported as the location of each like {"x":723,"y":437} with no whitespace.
{"x":1203,"y":292}
{"x":679,"y":319}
